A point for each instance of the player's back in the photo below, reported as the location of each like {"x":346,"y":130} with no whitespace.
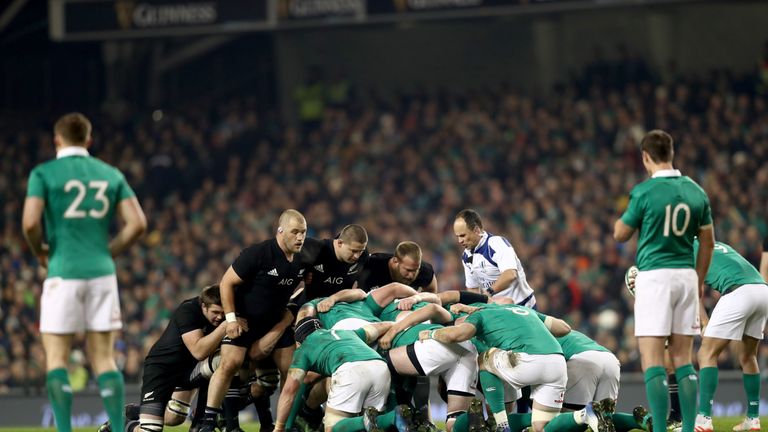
{"x":325,"y":350}
{"x":672,"y":210}
{"x":80,"y":194}
{"x":729,"y":269}
{"x":513,"y":328}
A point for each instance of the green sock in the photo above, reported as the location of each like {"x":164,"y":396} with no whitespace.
{"x":493,"y":390}
{"x":518,"y":422}
{"x":688,"y":387}
{"x":625,"y":422}
{"x":462,"y":423}
{"x":354,"y":424}
{"x":60,"y":395}
{"x":752,"y":387}
{"x":386,"y":420}
{"x":112,"y":391}
{"x":564,"y":423}
{"x":296,"y":407}
{"x":708,"y":377}
{"x":657,"y":392}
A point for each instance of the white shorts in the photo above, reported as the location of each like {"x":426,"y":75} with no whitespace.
{"x":743,"y":311}
{"x":360,"y":384}
{"x":545,"y":373}
{"x":73,"y":305}
{"x":350,"y":324}
{"x":592,"y":376}
{"x":667,"y":302}
{"x":456,"y":363}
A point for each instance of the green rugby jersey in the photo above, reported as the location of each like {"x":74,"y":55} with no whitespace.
{"x":728,"y":269}
{"x":325,"y":350}
{"x":575,"y":342}
{"x":513,"y":328}
{"x":344,"y":310}
{"x":410,"y":335}
{"x":668,"y":210}
{"x":81,"y":194}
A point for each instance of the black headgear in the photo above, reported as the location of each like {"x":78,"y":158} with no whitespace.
{"x":306,"y":327}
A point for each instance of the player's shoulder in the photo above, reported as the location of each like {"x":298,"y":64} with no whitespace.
{"x":693,"y":186}
{"x":313,"y":248}
{"x":378,"y":258}
{"x":497,"y":242}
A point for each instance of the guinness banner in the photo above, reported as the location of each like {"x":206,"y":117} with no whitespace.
{"x":406,"y":6}
{"x":288,"y":10}
{"x":97,"y":19}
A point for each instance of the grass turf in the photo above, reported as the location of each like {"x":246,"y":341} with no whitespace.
{"x":722,"y":424}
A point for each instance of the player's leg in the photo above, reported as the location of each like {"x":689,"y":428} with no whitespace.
{"x":232,"y":357}
{"x":101,"y":357}
{"x":57,"y":348}
{"x":62,"y":315}
{"x":178,"y":408}
{"x":751,"y":378}
{"x":710,"y":349}
{"x":460,"y":379}
{"x":102,"y":314}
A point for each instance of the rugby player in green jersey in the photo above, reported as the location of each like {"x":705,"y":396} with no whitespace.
{"x":77,"y":196}
{"x":668,"y":210}
{"x":359,"y":377}
{"x":523,"y":352}
{"x":740,"y":315}
{"x":455,"y":363}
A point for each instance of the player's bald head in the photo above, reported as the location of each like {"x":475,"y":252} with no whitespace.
{"x":290,"y":217}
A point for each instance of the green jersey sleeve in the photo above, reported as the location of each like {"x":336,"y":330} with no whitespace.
{"x":300,"y":360}
{"x":36,"y":185}
{"x":361,"y":334}
{"x":124,"y":190}
{"x":633,"y":214}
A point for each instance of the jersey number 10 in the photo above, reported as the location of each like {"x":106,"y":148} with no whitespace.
{"x":671,"y":219}
{"x":73,"y":212}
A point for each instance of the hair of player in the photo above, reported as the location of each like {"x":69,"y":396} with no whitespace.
{"x":73,"y":128}
{"x":408,"y":249}
{"x":306,"y":327}
{"x":659,"y":146}
{"x":211,"y":296}
{"x":471,"y":218}
{"x":353,"y":233}
{"x":289,"y":215}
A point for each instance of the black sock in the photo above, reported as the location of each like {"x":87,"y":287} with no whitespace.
{"x":212,"y":414}
{"x":674,"y":399}
{"x":524,"y":403}
{"x":232,"y":404}
{"x":263,"y":410}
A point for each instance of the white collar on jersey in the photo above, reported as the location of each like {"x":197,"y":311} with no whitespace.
{"x":483,"y":239}
{"x":72,"y":151}
{"x":667,"y":173}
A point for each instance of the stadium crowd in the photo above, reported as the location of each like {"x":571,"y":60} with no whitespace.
{"x":550,"y":174}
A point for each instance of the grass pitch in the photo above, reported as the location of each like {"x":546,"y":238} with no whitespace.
{"x":722,"y":424}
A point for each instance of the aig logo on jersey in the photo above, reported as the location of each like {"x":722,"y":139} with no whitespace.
{"x":334,"y":280}
{"x":286,"y":281}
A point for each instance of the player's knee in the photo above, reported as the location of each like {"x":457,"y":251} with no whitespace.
{"x":230,"y":365}
{"x":176,"y":412}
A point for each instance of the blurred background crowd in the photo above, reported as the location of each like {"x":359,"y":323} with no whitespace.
{"x":551,"y":174}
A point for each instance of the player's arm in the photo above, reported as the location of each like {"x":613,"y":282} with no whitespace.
{"x":452,"y":334}
{"x":307,"y":310}
{"x":622,"y":232}
{"x":503,"y":282}
{"x":374,"y":331}
{"x":345,"y":295}
{"x":32,"y":226}
{"x":202,"y":346}
{"x":287,"y":396}
{"x":764,"y":265}
{"x":556,"y":326}
{"x":704,"y":255}
{"x":391,"y":291}
{"x":266,"y":344}
{"x":229,"y":281}
{"x":134,"y":225}
{"x":427,"y":297}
